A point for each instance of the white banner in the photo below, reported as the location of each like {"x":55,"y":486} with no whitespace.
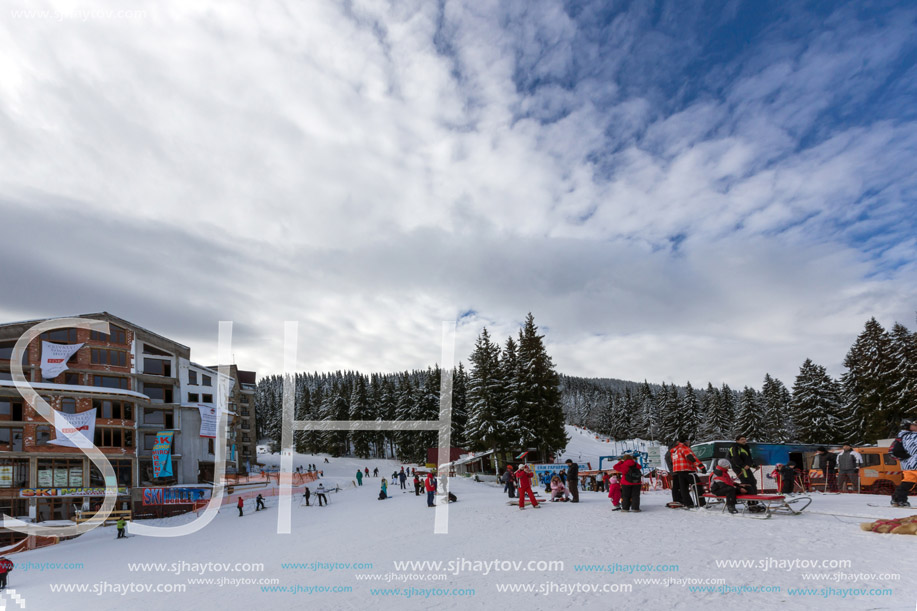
{"x":83,"y":423}
{"x":209,"y":419}
{"x":54,"y":358}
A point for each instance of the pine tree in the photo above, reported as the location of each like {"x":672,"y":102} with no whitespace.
{"x":869,"y":404}
{"x":668,"y":406}
{"x":485,"y":429}
{"x":519,"y":433}
{"x":648,"y":422}
{"x":774,"y":426}
{"x":729,"y":401}
{"x":359,"y":410}
{"x":815,"y":404}
{"x":688,"y":416}
{"x":459,"y":406}
{"x":903,"y":383}
{"x":539,"y":386}
{"x":749,"y":416}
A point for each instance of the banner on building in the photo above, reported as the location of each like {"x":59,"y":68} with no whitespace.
{"x":83,"y":423}
{"x":174,"y":496}
{"x":209,"y":417}
{"x":550,"y":470}
{"x":59,"y":492}
{"x":162,"y":454}
{"x":6,"y":476}
{"x":54,"y":358}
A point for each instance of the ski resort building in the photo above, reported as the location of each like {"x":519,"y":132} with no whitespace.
{"x":135,"y":389}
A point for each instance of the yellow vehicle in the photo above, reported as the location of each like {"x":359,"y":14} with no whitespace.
{"x":880,"y":473}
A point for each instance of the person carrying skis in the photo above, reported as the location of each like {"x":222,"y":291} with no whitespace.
{"x":6,"y":565}
{"x":359,"y":478}
{"x":509,"y":482}
{"x":631,"y":482}
{"x":430,"y":486}
{"x":120,"y":524}
{"x":849,"y":462}
{"x":905,"y":450}
{"x":572,"y":480}
{"x":239,"y":506}
{"x":259,"y":503}
{"x":524,"y":476}
{"x":685,"y":465}
{"x":723,"y":485}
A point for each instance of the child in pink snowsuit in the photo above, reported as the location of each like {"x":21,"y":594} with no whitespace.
{"x":614,"y":491}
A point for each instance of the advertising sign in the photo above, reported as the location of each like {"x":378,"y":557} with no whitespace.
{"x":61,"y":492}
{"x":54,"y":358}
{"x":162,"y":454}
{"x":83,"y":423}
{"x":174,"y":496}
{"x":6,"y":476}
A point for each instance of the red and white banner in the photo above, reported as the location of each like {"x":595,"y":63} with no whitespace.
{"x":83,"y":424}
{"x":54,"y":358}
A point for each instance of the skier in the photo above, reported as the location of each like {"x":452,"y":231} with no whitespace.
{"x":359,"y":478}
{"x":430,"y":486}
{"x":509,"y":482}
{"x":366,"y":471}
{"x":685,"y":465}
{"x":306,"y":493}
{"x":326,"y":461}
{"x":402,"y":477}
{"x":631,"y":482}
{"x":524,"y":476}
{"x":376,"y":472}
{"x":573,"y":480}
{"x":6,"y":565}
{"x":905,"y":450}
{"x":827,"y":462}
{"x":259,"y":503}
{"x":722,"y":485}
{"x":849,"y":462}
{"x":416,"y":485}
{"x":239,"y":505}
{"x":120,"y":524}
{"x":320,"y":493}
{"x":614,"y":491}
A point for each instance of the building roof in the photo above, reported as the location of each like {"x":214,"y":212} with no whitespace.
{"x":106,"y":315}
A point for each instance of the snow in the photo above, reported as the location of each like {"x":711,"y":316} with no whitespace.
{"x":357,"y":528}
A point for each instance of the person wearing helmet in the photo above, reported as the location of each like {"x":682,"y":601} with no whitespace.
{"x":906,"y":446}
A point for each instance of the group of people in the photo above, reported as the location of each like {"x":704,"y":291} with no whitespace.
{"x":562,"y":487}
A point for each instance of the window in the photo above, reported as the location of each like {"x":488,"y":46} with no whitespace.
{"x":110,"y":382}
{"x":72,"y":378}
{"x":20,"y":475}
{"x":116,"y":358}
{"x":114,"y":438}
{"x":192,"y":377}
{"x":122,"y":469}
{"x":890,"y":460}
{"x":157,"y":367}
{"x":121,"y":410}
{"x":60,"y":336}
{"x":148,"y":349}
{"x":60,"y":473}
{"x":206,"y":380}
{"x":68,"y":405}
{"x":42,"y":435}
{"x":193,"y":397}
{"x":6,"y":352}
{"x":159,"y":417}
{"x":244,"y":399}
{"x":245,"y":413}
{"x":117,"y":335}
{"x":206,"y":398}
{"x":11,"y":439}
{"x":157,"y":393}
{"x":210,"y":446}
{"x":11,"y":409}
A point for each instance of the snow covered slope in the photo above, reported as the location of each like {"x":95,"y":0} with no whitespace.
{"x":588,"y":539}
{"x":587,"y":446}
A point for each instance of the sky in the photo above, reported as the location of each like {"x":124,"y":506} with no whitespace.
{"x":677,"y":191}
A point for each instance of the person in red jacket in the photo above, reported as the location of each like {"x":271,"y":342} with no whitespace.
{"x":685,"y":465}
{"x":722,"y":484}
{"x":631,"y":482}
{"x":524,"y":476}
{"x":239,"y":505}
{"x":430,"y":486}
{"x":6,"y":565}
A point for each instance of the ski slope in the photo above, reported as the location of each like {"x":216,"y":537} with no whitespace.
{"x":358,"y":528}
{"x":587,"y":446}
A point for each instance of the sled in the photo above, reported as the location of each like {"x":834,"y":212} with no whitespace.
{"x":773,"y":504}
